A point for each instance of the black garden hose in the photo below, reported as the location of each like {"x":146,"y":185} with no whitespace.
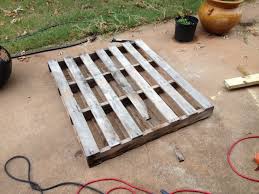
{"x":35,"y":186}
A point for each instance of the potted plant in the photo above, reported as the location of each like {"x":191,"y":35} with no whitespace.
{"x":185,"y":28}
{"x":220,"y":16}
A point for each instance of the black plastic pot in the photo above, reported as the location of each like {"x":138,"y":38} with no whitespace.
{"x":5,"y":66}
{"x":185,"y":33}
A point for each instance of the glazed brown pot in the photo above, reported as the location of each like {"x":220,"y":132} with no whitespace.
{"x":218,"y":16}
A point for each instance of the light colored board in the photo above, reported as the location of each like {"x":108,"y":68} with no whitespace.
{"x":240,"y":82}
{"x":176,"y":76}
{"x":87,"y":140}
{"x":163,"y":108}
{"x":122,"y":113}
{"x":96,"y":109}
{"x":124,"y":84}
{"x":168,"y":88}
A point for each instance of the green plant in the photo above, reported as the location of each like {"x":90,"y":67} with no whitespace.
{"x":184,"y":21}
{"x":33,"y":24}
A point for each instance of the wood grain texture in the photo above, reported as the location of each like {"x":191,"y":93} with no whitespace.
{"x":176,"y":76}
{"x":124,"y":99}
{"x":122,"y":113}
{"x":108,"y":76}
{"x":96,"y":109}
{"x":84,"y":133}
{"x":163,"y":108}
{"x":114,"y":103}
{"x":240,"y":82}
{"x":124,"y":84}
{"x":182,"y":103}
{"x":149,"y":135}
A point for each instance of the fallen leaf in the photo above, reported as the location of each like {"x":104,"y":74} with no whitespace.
{"x":13,"y":13}
{"x":18,"y":9}
{"x":56,"y":12}
{"x":2,"y":23}
{"x":23,"y":58}
{"x":9,"y":13}
{"x":24,"y":33}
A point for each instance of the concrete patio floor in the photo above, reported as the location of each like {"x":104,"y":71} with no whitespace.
{"x":34,"y":122}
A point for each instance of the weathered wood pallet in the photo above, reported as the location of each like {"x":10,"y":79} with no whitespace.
{"x":122,"y":97}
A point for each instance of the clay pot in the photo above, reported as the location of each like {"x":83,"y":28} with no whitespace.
{"x":218,"y":16}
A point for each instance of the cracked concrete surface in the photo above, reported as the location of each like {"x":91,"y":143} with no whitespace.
{"x":34,"y":122}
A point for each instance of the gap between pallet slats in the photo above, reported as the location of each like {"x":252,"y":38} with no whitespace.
{"x":124,"y":84}
{"x":125,"y":100}
{"x":148,"y":135}
{"x":108,"y":76}
{"x":176,"y":76}
{"x":127,"y":121}
{"x":182,"y":103}
{"x":84,"y":133}
{"x":99,"y":115}
{"x":147,"y":89}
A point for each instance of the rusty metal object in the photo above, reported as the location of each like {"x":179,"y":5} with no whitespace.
{"x":218,"y":16}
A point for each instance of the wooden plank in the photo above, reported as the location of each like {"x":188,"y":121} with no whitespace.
{"x":122,"y":113}
{"x":93,"y":56}
{"x":182,"y":103}
{"x":124,"y":99}
{"x":240,"y":82}
{"x":108,"y":76}
{"x":176,"y":76}
{"x":105,"y":125}
{"x":149,"y":135}
{"x":163,"y":108}
{"x":124,"y":84}
{"x":86,"y":138}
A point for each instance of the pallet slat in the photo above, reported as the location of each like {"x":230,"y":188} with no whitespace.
{"x":182,"y":103}
{"x":124,"y":84}
{"x":122,"y":113}
{"x":84,"y":133}
{"x":151,"y":94}
{"x":99,"y":115}
{"x":176,"y":76}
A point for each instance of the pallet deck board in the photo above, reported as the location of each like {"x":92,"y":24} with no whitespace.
{"x":147,"y":89}
{"x":122,"y":113}
{"x":184,"y":105}
{"x":118,"y":104}
{"x":176,"y":76}
{"x":124,"y":84}
{"x":86,"y":138}
{"x":96,"y":109}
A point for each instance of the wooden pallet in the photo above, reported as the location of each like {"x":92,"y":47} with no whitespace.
{"x":122,"y":97}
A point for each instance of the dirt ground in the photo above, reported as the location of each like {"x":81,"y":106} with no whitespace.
{"x":34,"y":122}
